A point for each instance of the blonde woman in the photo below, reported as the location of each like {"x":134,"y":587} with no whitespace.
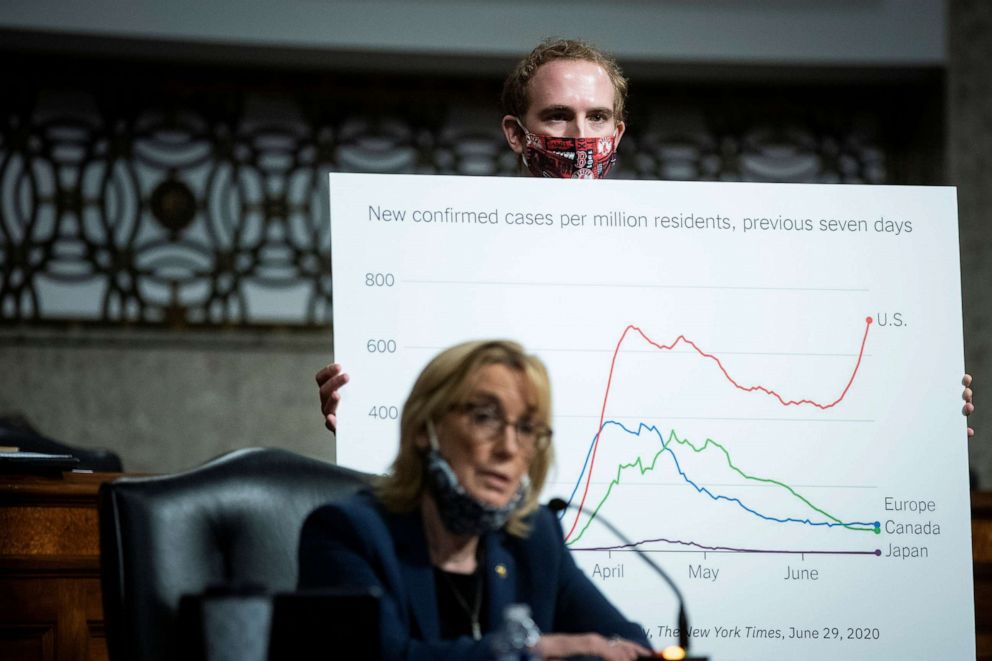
{"x":453,"y":533}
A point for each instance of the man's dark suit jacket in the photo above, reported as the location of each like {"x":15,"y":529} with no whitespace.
{"x":357,"y":543}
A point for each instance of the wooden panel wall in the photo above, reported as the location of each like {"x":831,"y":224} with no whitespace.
{"x":50,"y":569}
{"x":981,"y":542}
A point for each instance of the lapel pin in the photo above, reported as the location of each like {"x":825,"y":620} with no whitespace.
{"x":501,"y":570}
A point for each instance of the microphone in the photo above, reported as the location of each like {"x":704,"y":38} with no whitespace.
{"x":558,"y":505}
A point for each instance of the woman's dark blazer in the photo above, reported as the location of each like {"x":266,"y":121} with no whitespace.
{"x":357,"y":543}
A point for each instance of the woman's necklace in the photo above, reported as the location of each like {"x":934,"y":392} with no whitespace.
{"x":473,"y":612}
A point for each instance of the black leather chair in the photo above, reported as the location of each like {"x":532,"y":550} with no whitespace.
{"x":230,"y":526}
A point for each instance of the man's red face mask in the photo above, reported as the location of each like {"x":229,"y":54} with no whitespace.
{"x":568,"y":158}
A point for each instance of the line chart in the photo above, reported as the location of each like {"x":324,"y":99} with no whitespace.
{"x":775,"y":413}
{"x":724,"y":549}
{"x":833,"y":522}
{"x":682,"y":339}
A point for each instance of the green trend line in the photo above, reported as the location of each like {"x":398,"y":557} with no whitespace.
{"x":639,"y":465}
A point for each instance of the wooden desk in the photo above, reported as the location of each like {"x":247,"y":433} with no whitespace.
{"x":981,"y":544}
{"x":50,"y":568}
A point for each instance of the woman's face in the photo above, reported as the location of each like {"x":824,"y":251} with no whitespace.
{"x":490,"y":465}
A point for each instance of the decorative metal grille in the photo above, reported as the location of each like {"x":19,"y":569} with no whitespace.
{"x":204,"y":204}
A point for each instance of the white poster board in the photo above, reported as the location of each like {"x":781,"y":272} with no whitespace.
{"x":758,"y":383}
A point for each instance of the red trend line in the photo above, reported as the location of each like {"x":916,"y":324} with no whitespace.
{"x":685,"y":340}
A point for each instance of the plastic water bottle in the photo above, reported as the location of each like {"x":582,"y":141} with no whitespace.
{"x":517,"y":635}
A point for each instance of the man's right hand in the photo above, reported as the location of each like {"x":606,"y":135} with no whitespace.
{"x":967,"y":396}
{"x":329,"y":380}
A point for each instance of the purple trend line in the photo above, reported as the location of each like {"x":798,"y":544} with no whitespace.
{"x":620,"y":547}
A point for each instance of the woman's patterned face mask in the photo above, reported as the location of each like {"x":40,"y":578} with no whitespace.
{"x":460,"y":513}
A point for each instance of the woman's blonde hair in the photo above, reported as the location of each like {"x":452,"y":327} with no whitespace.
{"x":444,"y":383}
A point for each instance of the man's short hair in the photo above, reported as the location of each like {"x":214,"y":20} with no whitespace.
{"x":515,"y":100}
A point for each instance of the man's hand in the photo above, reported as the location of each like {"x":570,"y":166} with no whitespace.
{"x":561,"y":645}
{"x":969,"y":408}
{"x":329,"y":380}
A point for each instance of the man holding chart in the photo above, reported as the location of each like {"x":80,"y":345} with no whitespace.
{"x":564,"y":108}
{"x":564,"y":117}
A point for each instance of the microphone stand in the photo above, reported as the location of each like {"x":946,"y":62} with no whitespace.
{"x":671,"y":653}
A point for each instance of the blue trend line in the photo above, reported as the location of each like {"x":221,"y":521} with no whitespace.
{"x":666,"y":446}
{"x":571,"y":497}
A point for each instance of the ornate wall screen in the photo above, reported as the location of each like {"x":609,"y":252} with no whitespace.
{"x":187,"y":199}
